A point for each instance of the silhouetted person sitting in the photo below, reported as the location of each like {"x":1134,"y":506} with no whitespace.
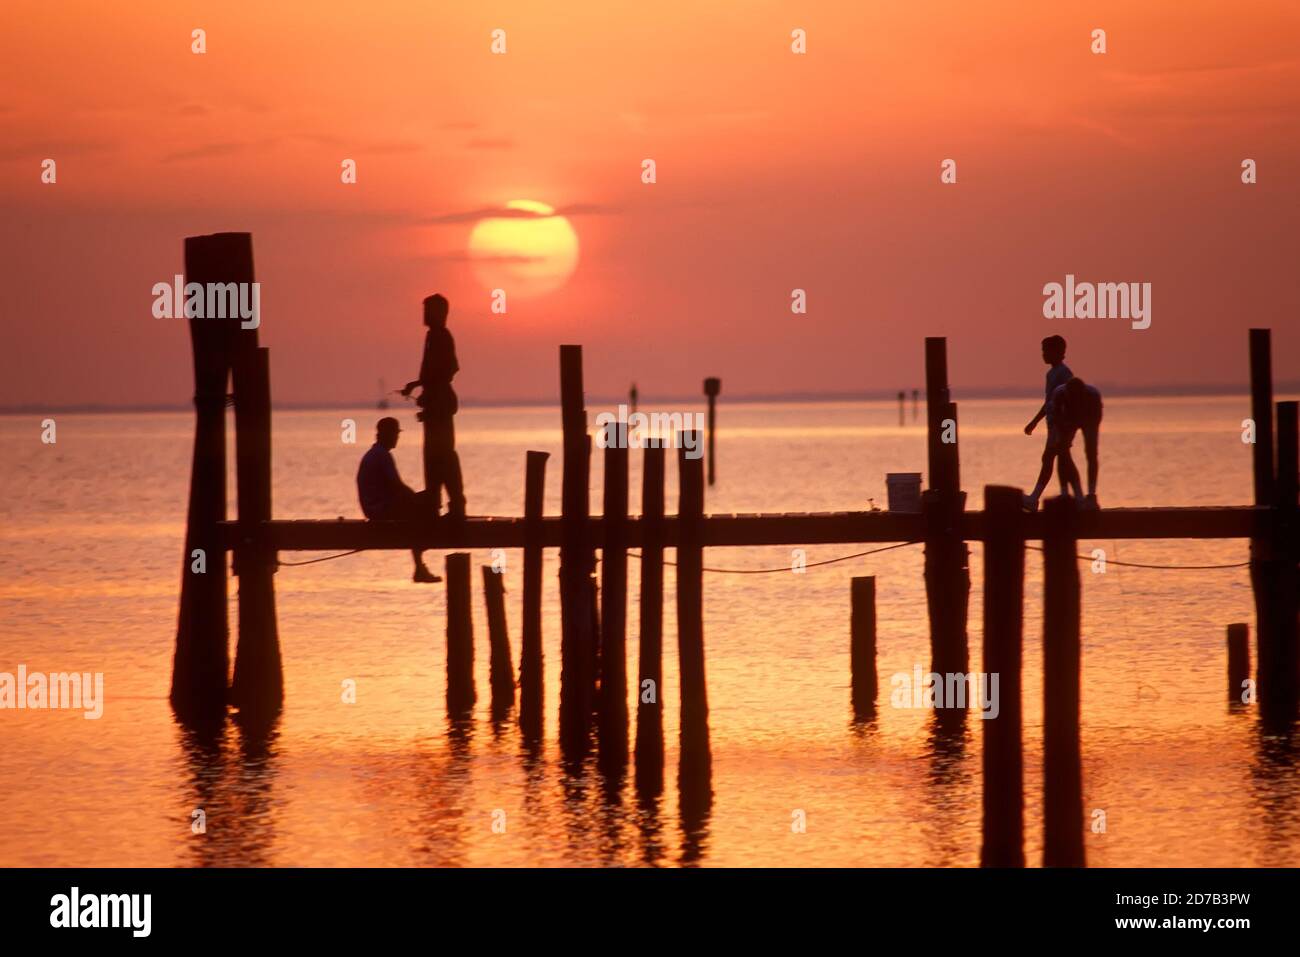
{"x":1077,"y":405}
{"x":438,"y":405}
{"x":1057,"y":376}
{"x":385,"y":497}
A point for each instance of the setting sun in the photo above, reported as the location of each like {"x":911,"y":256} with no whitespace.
{"x":527,"y":253}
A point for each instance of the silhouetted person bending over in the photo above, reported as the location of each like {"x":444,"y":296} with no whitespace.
{"x":385,"y":497}
{"x":438,"y":405}
{"x":1077,"y":406}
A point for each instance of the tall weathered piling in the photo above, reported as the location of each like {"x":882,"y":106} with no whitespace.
{"x":501,"y":676}
{"x":613,"y":612}
{"x":1004,"y":587}
{"x":1275,"y":682}
{"x":1287,"y":557}
{"x":1238,"y":661}
{"x":258,"y":685}
{"x":862,"y":648}
{"x":200,"y":667}
{"x":947,"y":558}
{"x":696,"y":763}
{"x":460,"y":637}
{"x":530,"y":651}
{"x":712,"y":387}
{"x":649,"y":709}
{"x":576,"y":563}
{"x":1062,"y":757}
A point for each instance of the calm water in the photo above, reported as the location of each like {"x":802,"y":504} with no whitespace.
{"x":90,"y":565}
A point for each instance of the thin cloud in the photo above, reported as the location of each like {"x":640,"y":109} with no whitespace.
{"x":499,"y":212}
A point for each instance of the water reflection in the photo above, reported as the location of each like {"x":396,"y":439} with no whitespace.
{"x":231,"y":772}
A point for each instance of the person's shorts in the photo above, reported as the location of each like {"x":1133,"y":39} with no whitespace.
{"x":1055,"y":436}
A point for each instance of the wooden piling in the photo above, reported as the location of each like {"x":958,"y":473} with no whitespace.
{"x":460,"y":637}
{"x":947,"y":558}
{"x":1286,"y":550}
{"x":695,"y":768}
{"x":613,"y":612}
{"x":1238,"y":661}
{"x":862,"y":651}
{"x":576,"y":563}
{"x":501,"y":675}
{"x":1004,"y":584}
{"x":711,"y":389}
{"x":258,"y":685}
{"x":201,"y":663}
{"x":902,"y":416}
{"x":1262,"y":567}
{"x":1062,"y":758}
{"x":530,"y":652}
{"x":649,"y":710}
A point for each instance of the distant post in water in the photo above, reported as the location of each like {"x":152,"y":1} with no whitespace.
{"x":1062,"y":757}
{"x":1238,"y":661}
{"x":695,"y":767}
{"x":901,"y":399}
{"x":200,"y":668}
{"x":915,"y":395}
{"x":631,"y":397}
{"x":460,"y":637}
{"x":711,"y":389}
{"x":649,"y":709}
{"x":1004,"y":592}
{"x":530,"y":652}
{"x":862,"y":651}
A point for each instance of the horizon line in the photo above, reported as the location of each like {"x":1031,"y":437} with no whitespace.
{"x":1172,"y":391}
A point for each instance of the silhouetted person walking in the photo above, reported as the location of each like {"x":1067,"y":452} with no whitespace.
{"x":385,"y":497}
{"x":1057,"y":376}
{"x":438,"y":406}
{"x":1077,"y":405}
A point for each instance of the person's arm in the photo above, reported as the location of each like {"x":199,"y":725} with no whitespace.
{"x":1029,"y":429}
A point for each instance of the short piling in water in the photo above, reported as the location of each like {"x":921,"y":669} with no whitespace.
{"x":649,"y":709}
{"x":1238,"y":661}
{"x":501,"y":676}
{"x":200,"y":667}
{"x":577,"y":639}
{"x":460,"y":637}
{"x":1062,"y":758}
{"x":1004,"y":586}
{"x":530,"y":651}
{"x":696,"y":763}
{"x":257,"y":689}
{"x":613,"y":612}
{"x":712,"y":387}
{"x":862,"y":650}
{"x":947,"y":558}
{"x":902,"y":415}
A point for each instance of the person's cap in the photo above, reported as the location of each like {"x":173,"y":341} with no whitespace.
{"x":388,"y":423}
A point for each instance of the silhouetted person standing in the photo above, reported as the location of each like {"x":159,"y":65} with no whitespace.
{"x":438,"y":406}
{"x":385,"y":497}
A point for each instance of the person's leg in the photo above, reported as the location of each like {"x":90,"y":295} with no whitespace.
{"x":447,"y":465}
{"x":451,"y":476}
{"x":432,"y":472}
{"x":415,"y":508}
{"x":1069,"y":474}
{"x":1091,"y":439}
{"x":1044,"y":474}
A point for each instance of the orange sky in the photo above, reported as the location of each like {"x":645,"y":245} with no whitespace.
{"x":775,"y":171}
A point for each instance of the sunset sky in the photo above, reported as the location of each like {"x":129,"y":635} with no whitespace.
{"x":775,"y":171}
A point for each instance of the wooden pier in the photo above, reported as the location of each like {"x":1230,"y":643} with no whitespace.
{"x":594,"y":682}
